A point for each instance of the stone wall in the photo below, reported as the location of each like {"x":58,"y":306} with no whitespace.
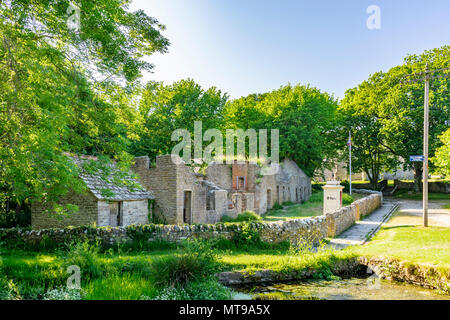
{"x":342,"y":219}
{"x":135,"y":212}
{"x":311,"y":229}
{"x":86,"y":215}
{"x":103,"y":214}
{"x":439,"y":187}
{"x":162,"y":181}
{"x":169,"y":181}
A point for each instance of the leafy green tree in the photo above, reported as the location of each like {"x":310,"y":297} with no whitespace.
{"x":402,"y":110}
{"x":395,"y":109}
{"x":304,"y":116}
{"x":65,"y":90}
{"x":166,"y":108}
{"x":358,"y":115}
{"x":441,"y":159}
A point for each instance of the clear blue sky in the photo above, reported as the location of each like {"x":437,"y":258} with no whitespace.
{"x":254,"y":46}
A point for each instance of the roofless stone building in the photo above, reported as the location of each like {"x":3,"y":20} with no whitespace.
{"x":185,"y":196}
{"x":182,"y":195}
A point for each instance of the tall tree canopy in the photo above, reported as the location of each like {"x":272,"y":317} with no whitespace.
{"x":66,"y":90}
{"x":304,"y":116}
{"x":395,"y":110}
{"x":166,"y":108}
{"x":358,"y":115}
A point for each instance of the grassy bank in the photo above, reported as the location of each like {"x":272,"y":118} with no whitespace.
{"x":311,"y":208}
{"x":183,"y":273}
{"x":413,"y":243}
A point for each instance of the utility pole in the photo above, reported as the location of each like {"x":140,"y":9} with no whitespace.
{"x":426,"y":113}
{"x":426,"y":76}
{"x":349,"y":143}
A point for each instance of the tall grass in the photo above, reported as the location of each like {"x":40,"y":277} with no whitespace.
{"x":195,"y":262}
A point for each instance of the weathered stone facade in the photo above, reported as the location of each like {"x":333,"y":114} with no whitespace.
{"x":185,"y":196}
{"x":123,"y":207}
{"x":86,"y":215}
{"x":181,"y":194}
{"x":91,"y":212}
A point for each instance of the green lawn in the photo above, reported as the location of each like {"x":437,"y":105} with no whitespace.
{"x":312,"y":207}
{"x":413,"y":243}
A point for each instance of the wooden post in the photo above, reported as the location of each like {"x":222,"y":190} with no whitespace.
{"x":425,"y":148}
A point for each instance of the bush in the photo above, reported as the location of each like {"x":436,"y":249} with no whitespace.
{"x":347,"y":199}
{"x":208,"y":289}
{"x":288,"y":203}
{"x":316,"y":197}
{"x":247,"y":236}
{"x":242,"y":217}
{"x":85,"y":256}
{"x":277,"y":206}
{"x":8,"y":289}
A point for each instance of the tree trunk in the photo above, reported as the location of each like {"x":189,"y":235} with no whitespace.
{"x":417,"y":177}
{"x":374,"y":182}
{"x":373,"y":179}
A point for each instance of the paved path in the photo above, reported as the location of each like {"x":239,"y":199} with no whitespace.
{"x":437,"y":215}
{"x":364,"y":229}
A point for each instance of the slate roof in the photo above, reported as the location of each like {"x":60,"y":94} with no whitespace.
{"x":120,"y":192}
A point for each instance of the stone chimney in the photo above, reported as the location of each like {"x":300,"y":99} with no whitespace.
{"x":142,"y":162}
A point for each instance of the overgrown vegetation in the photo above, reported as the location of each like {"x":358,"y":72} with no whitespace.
{"x":244,"y":216}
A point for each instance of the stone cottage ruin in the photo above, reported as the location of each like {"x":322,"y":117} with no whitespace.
{"x":183,"y":195}
{"x":123,"y":207}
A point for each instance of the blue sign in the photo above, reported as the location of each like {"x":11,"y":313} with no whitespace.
{"x":416,"y":158}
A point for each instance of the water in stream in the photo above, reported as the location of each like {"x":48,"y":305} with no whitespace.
{"x":346,"y":289}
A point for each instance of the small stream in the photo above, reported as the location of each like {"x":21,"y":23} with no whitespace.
{"x":345,"y":289}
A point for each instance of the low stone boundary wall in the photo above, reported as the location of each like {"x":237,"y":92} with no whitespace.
{"x":342,"y":219}
{"x":425,"y":275}
{"x":435,"y":186}
{"x":308,"y":229}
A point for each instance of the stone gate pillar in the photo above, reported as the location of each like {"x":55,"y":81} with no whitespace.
{"x":332,"y":196}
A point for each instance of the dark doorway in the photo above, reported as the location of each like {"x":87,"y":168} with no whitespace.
{"x":116,"y":214}
{"x":244,"y":203}
{"x":187,"y":217}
